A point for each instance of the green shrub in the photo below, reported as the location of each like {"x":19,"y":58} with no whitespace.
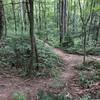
{"x":77,"y":47}
{"x":17,"y":50}
{"x":82,"y":67}
{"x":86,"y":97}
{"x":89,"y":65}
{"x":19,"y":96}
{"x":93,"y":51}
{"x":57,"y":83}
{"x":92,"y":95}
{"x":68,"y":42}
{"x":84,"y":80}
{"x":89,"y":73}
{"x":78,"y":42}
{"x":73,"y":50}
{"x":46,"y":95}
{"x":53,"y":40}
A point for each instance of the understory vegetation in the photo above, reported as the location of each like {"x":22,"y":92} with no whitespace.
{"x":75,"y":47}
{"x":15,"y":52}
{"x":89,"y":77}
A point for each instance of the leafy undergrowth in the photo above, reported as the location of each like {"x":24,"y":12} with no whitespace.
{"x":46,"y":95}
{"x":89,"y":51}
{"x":19,"y":96}
{"x":89,"y":79}
{"x":15,"y":52}
{"x":75,"y":46}
{"x":57,"y":90}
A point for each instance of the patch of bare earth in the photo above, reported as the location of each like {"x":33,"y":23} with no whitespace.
{"x":70,"y":74}
{"x":10,"y":81}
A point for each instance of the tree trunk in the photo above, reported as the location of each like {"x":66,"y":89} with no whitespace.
{"x":14,"y":14}
{"x":62,"y":19}
{"x":34,"y":54}
{"x":22,"y":14}
{"x":85,"y":21}
{"x":1,"y":18}
{"x":40,"y":24}
{"x":84,"y":44}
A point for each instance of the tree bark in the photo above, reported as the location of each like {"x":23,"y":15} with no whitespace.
{"x":34,"y":53}
{"x":1,"y":18}
{"x":62,"y":19}
{"x":22,"y":13}
{"x":14,"y":15}
{"x":85,"y":21}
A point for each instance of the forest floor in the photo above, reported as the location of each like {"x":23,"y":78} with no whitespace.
{"x":10,"y":81}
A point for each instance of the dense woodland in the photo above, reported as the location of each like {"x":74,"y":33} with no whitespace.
{"x":49,"y":49}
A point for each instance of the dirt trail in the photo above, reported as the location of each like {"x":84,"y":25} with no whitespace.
{"x":11,"y":84}
{"x":69,"y":72}
{"x":71,"y":60}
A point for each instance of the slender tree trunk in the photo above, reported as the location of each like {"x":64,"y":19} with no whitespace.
{"x":36,"y":17}
{"x":85,"y":21}
{"x":22,"y":13}
{"x":64,"y":15}
{"x":97,"y":35}
{"x":34,"y":54}
{"x":58,"y":12}
{"x":4,"y":19}
{"x":1,"y":18}
{"x":84,"y":43}
{"x":74,"y":18}
{"x":40,"y":24}
{"x":97,"y":32}
{"x":14,"y":15}
{"x":62,"y":19}
{"x":45,"y":21}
